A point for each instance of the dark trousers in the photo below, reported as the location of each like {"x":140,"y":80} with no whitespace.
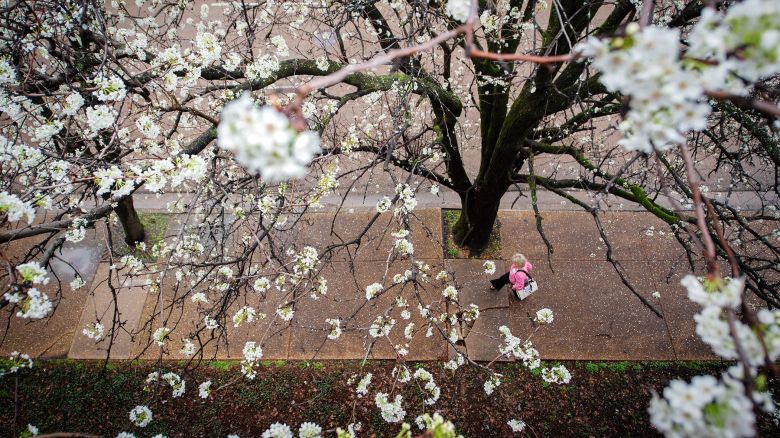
{"x":501,"y":281}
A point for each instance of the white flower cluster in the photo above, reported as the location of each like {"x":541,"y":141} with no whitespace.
{"x":178,"y":386}
{"x":306,"y":260}
{"x":372,"y":290}
{"x":7,"y":72}
{"x":112,"y":180}
{"x":708,"y":406}
{"x":404,"y":247}
{"x":384,"y":204}
{"x":285,"y":312}
{"x":516,"y":425}
{"x":450,"y":293}
{"x":666,"y":100}
{"x":109,"y":88}
{"x":723,"y":293}
{"x":35,"y":305}
{"x":263,"y":68}
{"x":188,"y":347}
{"x":161,"y":335}
{"x":523,"y":351}
{"x":141,"y":416}
{"x":335,"y":328}
{"x":406,"y":196}
{"x":262,"y":284}
{"x":278,"y":430}
{"x":264,"y":142}
{"x":15,"y":208}
{"x":704,"y":407}
{"x":310,"y":430}
{"x":429,"y":385}
{"x":16,"y":362}
{"x":725,"y":52}
{"x":744,"y":44}
{"x":252,"y":355}
{"x":436,"y":425}
{"x":100,"y":117}
{"x":544,"y":316}
{"x":94,"y":331}
{"x":176,"y":170}
{"x":362,"y":386}
{"x":381,"y":326}
{"x":33,"y":272}
{"x":204,"y":389}
{"x":717,"y":294}
{"x":492,"y":383}
{"x":392,"y":412}
{"x":247,"y":314}
{"x":490,"y":267}
{"x":459,"y":10}
{"x":557,"y":374}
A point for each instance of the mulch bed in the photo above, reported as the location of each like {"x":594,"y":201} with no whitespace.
{"x":604,"y":399}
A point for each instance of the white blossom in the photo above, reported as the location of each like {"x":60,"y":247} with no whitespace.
{"x":278,"y":430}
{"x":516,"y":425}
{"x":33,"y":272}
{"x":392,"y":412}
{"x":204,"y":389}
{"x":544,"y":316}
{"x":141,"y":416}
{"x":161,"y":335}
{"x":372,"y":290}
{"x":309,"y":430}
{"x":264,"y":142}
{"x":15,"y":208}
{"x":94,"y":330}
{"x":459,"y":10}
{"x":36,"y":305}
{"x":335,"y":328}
{"x":557,"y":374}
{"x":362,"y":386}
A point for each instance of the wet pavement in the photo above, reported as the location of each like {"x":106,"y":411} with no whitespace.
{"x":596,"y":316}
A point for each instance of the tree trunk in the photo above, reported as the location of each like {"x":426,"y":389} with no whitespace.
{"x":477,"y":217}
{"x":128,"y":217}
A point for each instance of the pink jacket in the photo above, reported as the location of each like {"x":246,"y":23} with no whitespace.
{"x":518,"y":277}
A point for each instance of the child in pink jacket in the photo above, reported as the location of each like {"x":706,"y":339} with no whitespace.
{"x":517,"y":275}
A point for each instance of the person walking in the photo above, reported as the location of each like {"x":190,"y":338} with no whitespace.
{"x":518,"y":274}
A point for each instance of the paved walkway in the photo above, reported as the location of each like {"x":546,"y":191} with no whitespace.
{"x":596,"y":316}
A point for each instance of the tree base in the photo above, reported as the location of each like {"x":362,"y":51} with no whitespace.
{"x":452,"y":250}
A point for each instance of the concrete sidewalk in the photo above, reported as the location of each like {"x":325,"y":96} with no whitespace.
{"x":596,"y":316}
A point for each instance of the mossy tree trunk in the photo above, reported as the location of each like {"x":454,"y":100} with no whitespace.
{"x":131,"y":223}
{"x":505,"y":128}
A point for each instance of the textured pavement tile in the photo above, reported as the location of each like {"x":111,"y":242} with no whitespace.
{"x":346,"y":300}
{"x":640,"y":236}
{"x":596,"y":316}
{"x":51,"y":337}
{"x":483,"y":340}
{"x":131,"y":292}
{"x":519,"y":234}
{"x":320,"y":228}
{"x":225,"y":342}
{"x":573,"y":235}
{"x":678,"y":310}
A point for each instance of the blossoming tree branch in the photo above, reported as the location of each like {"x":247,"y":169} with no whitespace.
{"x":243,"y":119}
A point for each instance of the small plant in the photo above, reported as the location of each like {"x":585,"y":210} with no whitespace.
{"x":222,"y":365}
{"x":592,"y":368}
